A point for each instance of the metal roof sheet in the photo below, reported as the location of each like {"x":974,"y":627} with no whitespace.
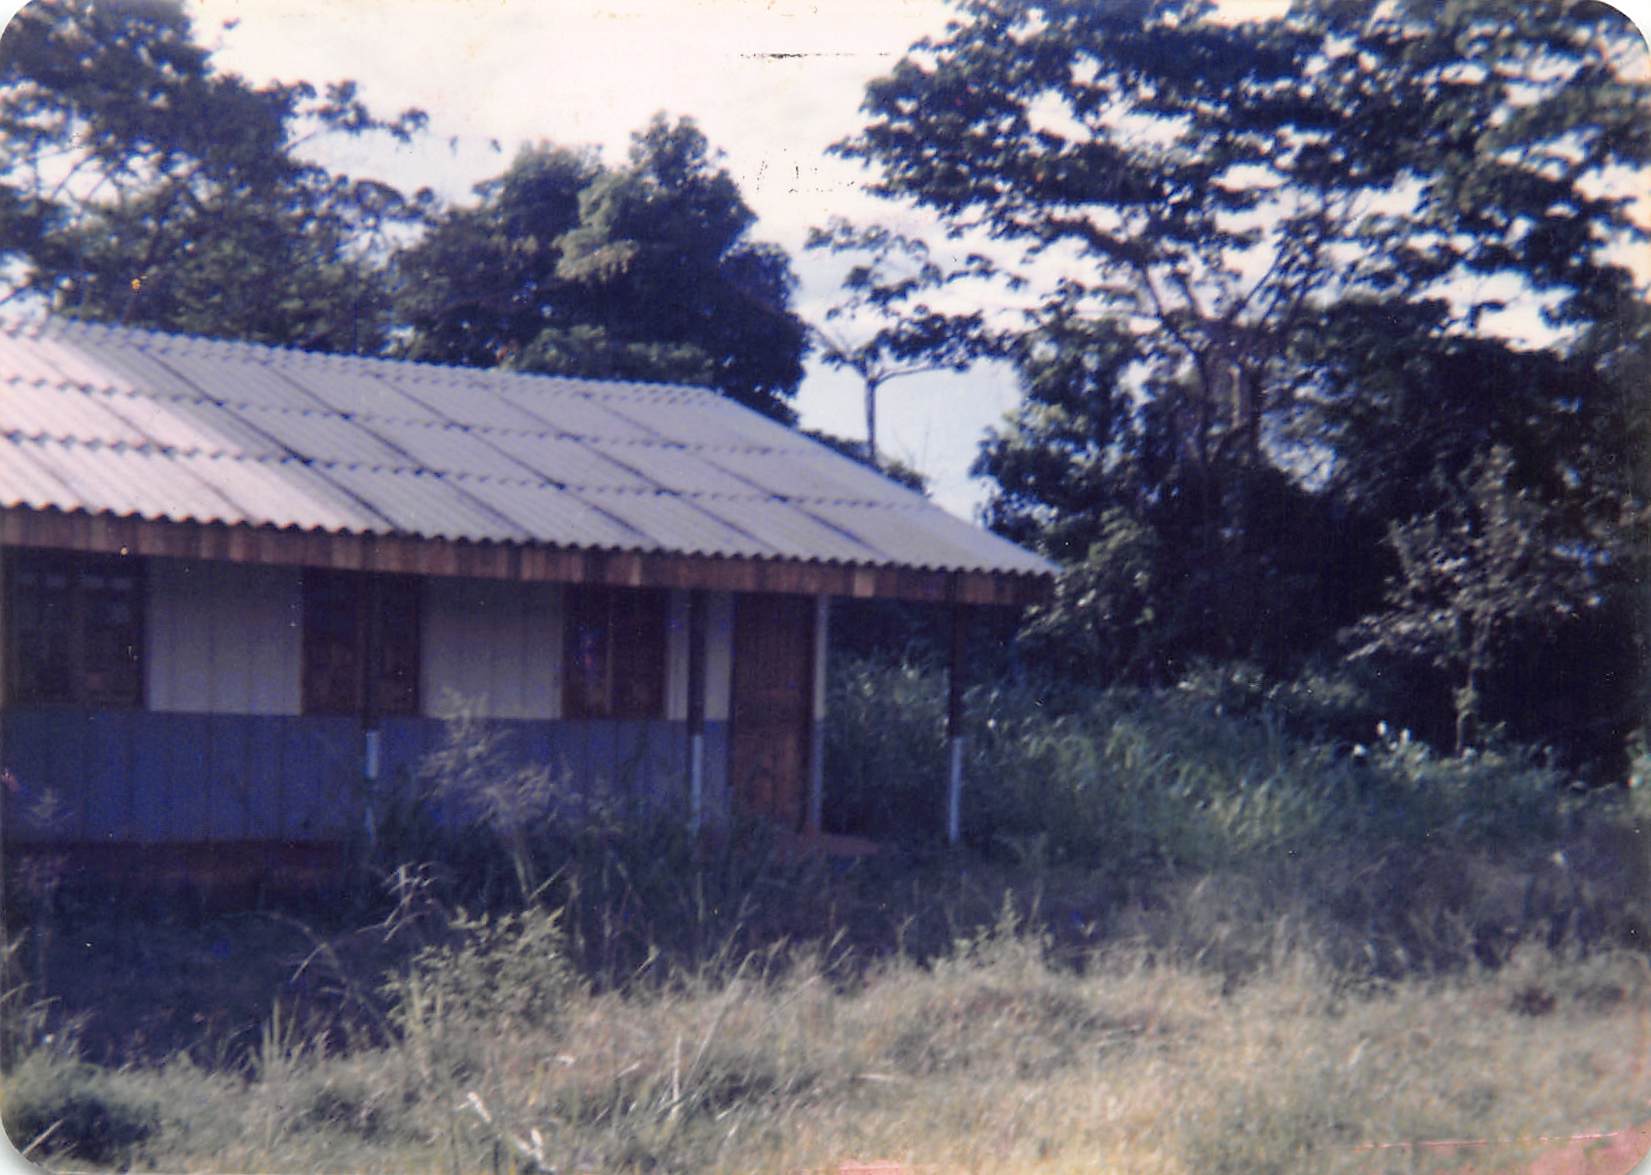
{"x":447,"y":448}
{"x":235,"y":384}
{"x":192,"y":426}
{"x":694,"y":524}
{"x":679,"y":468}
{"x":930,"y":541}
{"x":571,"y":413}
{"x":25,"y":480}
{"x":696,"y":417}
{"x":287,"y":493}
{"x":104,"y":419}
{"x":568,"y":462}
{"x":807,"y":475}
{"x":129,"y":369}
{"x":545,"y":511}
{"x":466,"y":399}
{"x":62,"y":413}
{"x":326,"y":437}
{"x":351,"y":387}
{"x":119,"y":480}
{"x":147,"y":483}
{"x":429,"y":504}
{"x":48,"y":360}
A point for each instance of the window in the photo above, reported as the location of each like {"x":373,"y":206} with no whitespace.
{"x":360,"y":644}
{"x":76,"y":629}
{"x":615,"y":653}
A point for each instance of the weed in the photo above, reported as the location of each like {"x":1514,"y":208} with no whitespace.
{"x":1185,"y":939}
{"x":65,"y":1107}
{"x":510,"y":972}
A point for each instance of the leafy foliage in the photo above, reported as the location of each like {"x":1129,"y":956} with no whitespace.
{"x":1125,"y":781}
{"x":1488,"y":561}
{"x":63,"y":1107}
{"x":1272,"y":269}
{"x":906,"y":337}
{"x":508,"y":972}
{"x":143,"y":187}
{"x":645,"y":271}
{"x":1086,"y":473}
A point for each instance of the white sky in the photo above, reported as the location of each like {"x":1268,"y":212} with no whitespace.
{"x":771,"y":82}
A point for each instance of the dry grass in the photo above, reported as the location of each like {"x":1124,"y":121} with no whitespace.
{"x":991,"y":1059}
{"x":1215,"y":949}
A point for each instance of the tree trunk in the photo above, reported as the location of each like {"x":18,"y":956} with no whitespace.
{"x":1467,"y":698}
{"x":871,"y":423}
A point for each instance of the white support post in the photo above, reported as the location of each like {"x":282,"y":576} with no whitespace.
{"x":954,"y":725}
{"x":816,"y":733}
{"x":696,"y":781}
{"x":954,"y":789}
{"x":697,"y":629}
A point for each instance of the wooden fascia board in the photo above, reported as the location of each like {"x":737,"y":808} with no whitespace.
{"x":403,"y":555}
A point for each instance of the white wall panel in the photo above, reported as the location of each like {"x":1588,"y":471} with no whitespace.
{"x":822,"y":643}
{"x":541,"y":647}
{"x":676,"y":657}
{"x":5,"y":655}
{"x":223,"y":638}
{"x":719,"y":655}
{"x":492,"y":643}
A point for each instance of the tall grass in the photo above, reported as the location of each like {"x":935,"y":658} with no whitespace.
{"x":1397,"y":855}
{"x":1183,"y":938}
{"x":994,"y":1056}
{"x":1170,"y":776}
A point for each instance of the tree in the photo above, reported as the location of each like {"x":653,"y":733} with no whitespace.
{"x":1084,"y":471}
{"x":481,"y":283}
{"x":1280,"y":249}
{"x":1488,"y":561}
{"x":141,"y":186}
{"x":641,"y":272}
{"x":905,"y":339}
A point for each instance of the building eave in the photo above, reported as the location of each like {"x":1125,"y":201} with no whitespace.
{"x":104,"y":533}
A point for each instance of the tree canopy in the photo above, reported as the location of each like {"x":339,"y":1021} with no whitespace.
{"x":139,"y":185}
{"x":645,"y":271}
{"x":1281,"y":277}
{"x":906,"y":336}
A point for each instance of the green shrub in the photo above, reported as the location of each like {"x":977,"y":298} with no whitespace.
{"x":1209,"y":775}
{"x":511,"y":972}
{"x":885,"y":748}
{"x":59,"y":1106}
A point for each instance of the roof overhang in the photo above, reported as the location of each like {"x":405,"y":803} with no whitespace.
{"x":406,"y":555}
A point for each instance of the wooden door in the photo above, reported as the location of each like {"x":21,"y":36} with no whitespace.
{"x":773,"y":706}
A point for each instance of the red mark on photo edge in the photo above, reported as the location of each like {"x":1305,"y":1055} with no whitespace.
{"x":1573,"y":1154}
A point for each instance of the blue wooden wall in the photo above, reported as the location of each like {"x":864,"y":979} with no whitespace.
{"x":144,"y":777}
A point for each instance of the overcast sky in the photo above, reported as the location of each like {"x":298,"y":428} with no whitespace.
{"x":771,"y":82}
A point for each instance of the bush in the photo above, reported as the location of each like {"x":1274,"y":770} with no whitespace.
{"x":1207,"y":775}
{"x":885,"y":748}
{"x":511,"y":972}
{"x":60,"y":1106}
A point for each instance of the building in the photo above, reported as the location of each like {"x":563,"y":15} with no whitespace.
{"x":243,"y":584}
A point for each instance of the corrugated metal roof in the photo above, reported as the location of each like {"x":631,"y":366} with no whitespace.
{"x":62,"y":413}
{"x":108,"y":420}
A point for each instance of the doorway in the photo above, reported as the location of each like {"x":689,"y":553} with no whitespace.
{"x":772,"y":714}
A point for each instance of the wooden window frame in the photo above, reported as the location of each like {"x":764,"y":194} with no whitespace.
{"x":616,"y":652}
{"x":368,"y":628}
{"x":84,"y":630}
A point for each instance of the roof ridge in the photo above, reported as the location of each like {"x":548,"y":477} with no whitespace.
{"x":50,"y":324}
{"x":378,"y":444}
